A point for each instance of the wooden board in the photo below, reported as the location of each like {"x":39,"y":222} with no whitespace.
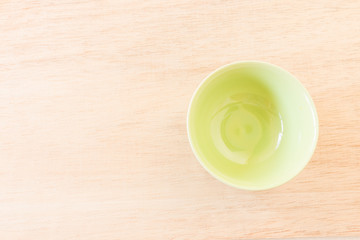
{"x":93,"y":101}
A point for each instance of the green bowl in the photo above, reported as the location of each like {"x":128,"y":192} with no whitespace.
{"x":252,"y":125}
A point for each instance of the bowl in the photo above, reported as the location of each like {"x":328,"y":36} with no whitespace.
{"x":252,"y":125}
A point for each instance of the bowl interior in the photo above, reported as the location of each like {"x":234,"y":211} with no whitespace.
{"x":252,"y":125}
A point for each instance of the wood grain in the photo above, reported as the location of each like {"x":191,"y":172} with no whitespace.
{"x":93,"y":100}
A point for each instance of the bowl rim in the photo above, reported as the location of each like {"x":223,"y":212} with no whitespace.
{"x":313,"y":108}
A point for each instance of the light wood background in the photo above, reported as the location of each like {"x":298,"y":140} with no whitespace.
{"x":93,"y":101}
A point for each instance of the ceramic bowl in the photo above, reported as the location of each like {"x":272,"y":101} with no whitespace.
{"x":252,"y":125}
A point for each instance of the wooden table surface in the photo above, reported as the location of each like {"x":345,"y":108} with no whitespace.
{"x":93,"y":101}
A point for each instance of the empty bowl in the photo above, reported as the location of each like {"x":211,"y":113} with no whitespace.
{"x":252,"y":125}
